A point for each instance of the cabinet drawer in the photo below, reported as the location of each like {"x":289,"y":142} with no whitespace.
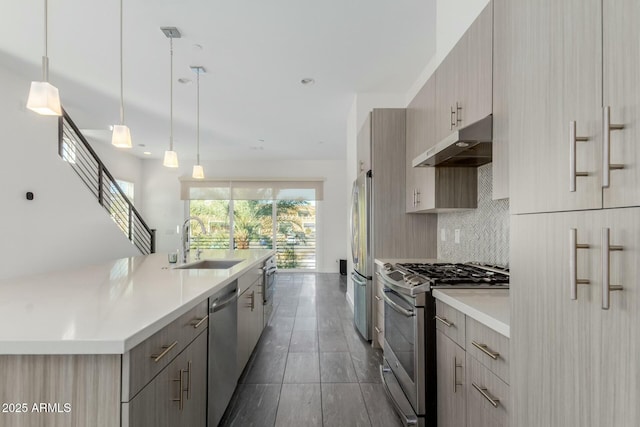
{"x":451,"y":322}
{"x":489,"y":348}
{"x":149,"y":357}
{"x":249,"y":278}
{"x":488,"y":403}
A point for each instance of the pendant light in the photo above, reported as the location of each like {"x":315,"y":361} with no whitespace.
{"x":198,"y":170}
{"x":121,"y":137}
{"x":170,"y":156}
{"x":44,"y":98}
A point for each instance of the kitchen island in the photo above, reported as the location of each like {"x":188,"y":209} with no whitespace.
{"x":74,"y":344}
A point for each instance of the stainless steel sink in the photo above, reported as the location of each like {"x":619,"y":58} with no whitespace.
{"x":217,"y":264}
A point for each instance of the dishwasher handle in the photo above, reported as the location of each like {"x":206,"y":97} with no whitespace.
{"x":218,"y":305}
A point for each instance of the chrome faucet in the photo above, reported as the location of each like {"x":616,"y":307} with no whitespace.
{"x":185,"y":237}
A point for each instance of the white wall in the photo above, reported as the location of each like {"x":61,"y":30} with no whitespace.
{"x":122,"y":165}
{"x":165,"y":211}
{"x":63,"y":226}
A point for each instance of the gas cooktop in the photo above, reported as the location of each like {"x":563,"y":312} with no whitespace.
{"x":448,"y":275}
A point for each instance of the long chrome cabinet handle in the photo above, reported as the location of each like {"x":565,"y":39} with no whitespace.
{"x":606,"y":147}
{"x":196,"y":323}
{"x":456,"y":365}
{"x":484,"y":392}
{"x":486,"y":350}
{"x":607,"y":287}
{"x":573,"y":139}
{"x":573,"y":263}
{"x":181,"y":391}
{"x":452,"y":121}
{"x":167,"y":348}
{"x":444,"y":321}
{"x":188,"y":371}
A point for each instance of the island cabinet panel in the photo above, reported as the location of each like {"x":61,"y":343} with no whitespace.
{"x":88,"y":384}
{"x":177,"y":397}
{"x":250,"y":322}
{"x":148,"y":358}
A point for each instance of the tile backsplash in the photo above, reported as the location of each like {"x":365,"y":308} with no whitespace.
{"x":484,"y":231}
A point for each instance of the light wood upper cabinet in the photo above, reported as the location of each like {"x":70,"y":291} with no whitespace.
{"x":621,"y":61}
{"x":464,"y":92}
{"x":573,"y":67}
{"x":503,"y":79}
{"x":364,"y":146}
{"x":421,"y":135}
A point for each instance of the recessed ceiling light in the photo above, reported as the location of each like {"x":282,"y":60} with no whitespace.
{"x":148,"y":153}
{"x":141,"y":145}
{"x":184,"y":80}
{"x":308,"y":81}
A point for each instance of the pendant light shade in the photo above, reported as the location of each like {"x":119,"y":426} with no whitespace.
{"x":44,"y":98}
{"x":170,"y":159}
{"x":170,"y":156}
{"x":198,"y":170}
{"x":121,"y":136}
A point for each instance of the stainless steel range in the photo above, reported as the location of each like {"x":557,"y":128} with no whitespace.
{"x":409,"y":368}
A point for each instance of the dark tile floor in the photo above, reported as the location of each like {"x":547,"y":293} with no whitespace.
{"x":310,"y":367}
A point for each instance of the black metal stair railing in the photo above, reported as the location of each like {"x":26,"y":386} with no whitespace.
{"x":76,"y":151}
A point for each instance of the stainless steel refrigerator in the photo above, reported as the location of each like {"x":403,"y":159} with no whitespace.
{"x":361,"y":248}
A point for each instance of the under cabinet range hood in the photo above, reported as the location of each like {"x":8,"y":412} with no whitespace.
{"x":466,"y":147}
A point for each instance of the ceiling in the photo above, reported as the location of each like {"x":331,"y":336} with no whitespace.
{"x":255,"y":53}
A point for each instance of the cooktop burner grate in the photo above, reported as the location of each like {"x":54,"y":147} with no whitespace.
{"x":452,"y":274}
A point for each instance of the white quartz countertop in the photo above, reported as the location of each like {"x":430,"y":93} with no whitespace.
{"x":107,"y":308}
{"x":488,"y":306}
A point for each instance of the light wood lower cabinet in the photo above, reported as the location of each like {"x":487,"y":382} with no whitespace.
{"x":250,"y":322}
{"x":175,"y":397}
{"x":575,"y":363}
{"x":451,"y":393}
{"x":472,"y":366}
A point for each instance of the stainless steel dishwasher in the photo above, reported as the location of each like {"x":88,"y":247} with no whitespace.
{"x":223,"y":344}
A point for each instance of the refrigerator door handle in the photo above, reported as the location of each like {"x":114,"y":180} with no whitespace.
{"x":354,"y":223}
{"x":357,"y":280}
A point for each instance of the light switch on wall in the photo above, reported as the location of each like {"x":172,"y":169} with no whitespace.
{"x":457,"y":235}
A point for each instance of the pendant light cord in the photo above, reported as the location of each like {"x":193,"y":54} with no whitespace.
{"x":45,"y":58}
{"x":171,"y":94}
{"x":121,"y":72}
{"x":198,"y":118}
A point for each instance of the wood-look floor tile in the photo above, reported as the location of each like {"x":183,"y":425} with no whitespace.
{"x":253,"y":405}
{"x":343,"y":405}
{"x":303,"y":342}
{"x":302,"y":368}
{"x":332,"y":341}
{"x":300,"y":405}
{"x":337,"y":368}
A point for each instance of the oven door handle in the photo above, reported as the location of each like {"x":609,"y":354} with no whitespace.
{"x":396,"y":306}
